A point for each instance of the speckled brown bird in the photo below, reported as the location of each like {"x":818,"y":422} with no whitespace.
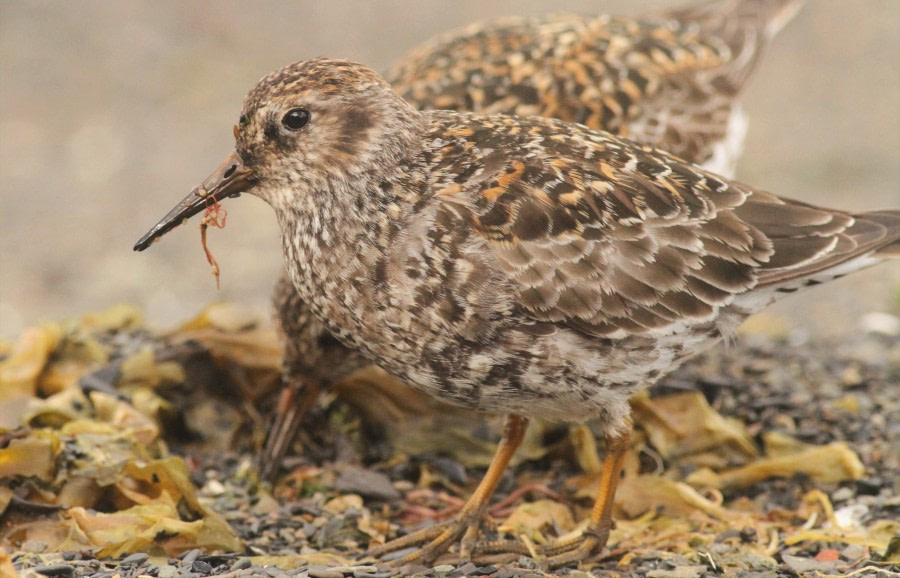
{"x":670,"y":80}
{"x":516,"y":265}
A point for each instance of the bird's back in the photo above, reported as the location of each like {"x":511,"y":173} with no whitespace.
{"x":669,"y":79}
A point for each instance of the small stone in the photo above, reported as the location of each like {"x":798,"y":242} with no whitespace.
{"x":202,"y":567}
{"x":136,"y":559}
{"x":679,"y":572}
{"x":240,"y":564}
{"x":828,"y":555}
{"x":168,"y":572}
{"x":34,"y":546}
{"x":366,"y":483}
{"x":804,"y":566}
{"x":55,"y":569}
{"x":869,"y":486}
{"x":450,"y":469}
{"x":352,"y":569}
{"x":881,"y":323}
{"x":444,"y":569}
{"x":464,"y":570}
{"x":842,"y":494}
{"x":527,"y":563}
{"x":853,"y":552}
{"x":214,"y":488}
{"x":325,"y":573}
{"x":187,"y":558}
{"x":851,"y":515}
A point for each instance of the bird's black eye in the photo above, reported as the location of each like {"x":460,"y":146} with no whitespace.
{"x":295,"y":119}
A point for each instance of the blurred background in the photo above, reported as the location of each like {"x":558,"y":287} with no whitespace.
{"x":110,"y":112}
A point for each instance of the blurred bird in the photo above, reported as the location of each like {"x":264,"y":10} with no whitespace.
{"x":515,"y":265}
{"x":670,"y":80}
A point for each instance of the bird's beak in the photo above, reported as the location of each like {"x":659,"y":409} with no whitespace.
{"x":229,"y":180}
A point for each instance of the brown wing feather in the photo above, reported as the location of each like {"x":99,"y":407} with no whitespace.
{"x":601,"y":235}
{"x":698,"y":99}
{"x":665,"y":79}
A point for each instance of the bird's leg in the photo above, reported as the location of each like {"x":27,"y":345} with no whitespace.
{"x":596,"y":534}
{"x":296,"y":399}
{"x":466,"y":524}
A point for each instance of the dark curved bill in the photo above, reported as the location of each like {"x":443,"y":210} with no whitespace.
{"x":229,"y":180}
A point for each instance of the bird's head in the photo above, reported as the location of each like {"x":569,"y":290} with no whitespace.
{"x":303,"y":130}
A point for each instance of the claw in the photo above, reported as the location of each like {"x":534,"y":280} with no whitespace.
{"x":464,"y":528}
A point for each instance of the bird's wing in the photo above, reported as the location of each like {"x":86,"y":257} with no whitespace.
{"x":669,"y":80}
{"x":694,"y":62}
{"x":599,"y":234}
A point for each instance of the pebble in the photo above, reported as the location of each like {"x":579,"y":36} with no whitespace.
{"x":679,"y":572}
{"x":450,"y":469}
{"x":35,"y":546}
{"x":55,"y":569}
{"x":168,"y":572}
{"x":853,"y":552}
{"x":366,"y":483}
{"x":203,"y":568}
{"x":464,"y":570}
{"x":882,"y":323}
{"x":188,"y":557}
{"x":291,"y":527}
{"x":806,"y":566}
{"x":325,"y":573}
{"x":842,"y":494}
{"x":352,"y":569}
{"x":214,"y":488}
{"x":138,"y":558}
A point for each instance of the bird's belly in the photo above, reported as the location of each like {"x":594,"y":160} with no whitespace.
{"x":477,"y":356}
{"x":567,"y":376}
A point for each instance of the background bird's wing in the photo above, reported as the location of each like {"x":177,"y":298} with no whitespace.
{"x":667,"y":79}
{"x":695,"y":62}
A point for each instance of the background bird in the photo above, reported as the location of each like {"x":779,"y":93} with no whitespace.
{"x":670,"y":80}
{"x":515,"y":264}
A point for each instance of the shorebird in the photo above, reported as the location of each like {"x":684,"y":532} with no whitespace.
{"x":515,"y":265}
{"x":670,"y":79}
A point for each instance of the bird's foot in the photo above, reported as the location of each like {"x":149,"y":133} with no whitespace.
{"x":561,"y":552}
{"x":435,"y":540}
{"x":576,"y":549}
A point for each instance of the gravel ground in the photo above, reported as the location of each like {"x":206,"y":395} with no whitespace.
{"x":818,"y":391}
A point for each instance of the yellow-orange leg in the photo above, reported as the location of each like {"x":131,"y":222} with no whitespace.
{"x":596,"y":534}
{"x":466,"y":524}
{"x":295,"y":401}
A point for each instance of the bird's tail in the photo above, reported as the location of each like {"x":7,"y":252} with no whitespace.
{"x":746,"y":26}
{"x":825,"y":249}
{"x":768,"y":17}
{"x":888,"y":247}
